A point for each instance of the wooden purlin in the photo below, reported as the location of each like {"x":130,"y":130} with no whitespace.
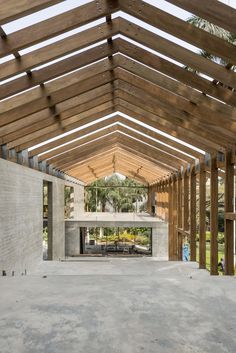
{"x":179,"y":105}
{"x":62,"y":67}
{"x":29,"y":132}
{"x":214,"y":11}
{"x":9,"y":126}
{"x":148,"y":150}
{"x":209,"y":112}
{"x":57,"y":25}
{"x":167,"y":123}
{"x":178,"y":53}
{"x":70,"y":124}
{"x":94,"y":134}
{"x":104,"y":123}
{"x":176,"y":72}
{"x":12,"y":10}
{"x":179,"y":28}
{"x":79,"y":158}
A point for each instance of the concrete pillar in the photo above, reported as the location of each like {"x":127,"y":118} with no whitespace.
{"x":33,"y":162}
{"x":160,"y":241}
{"x":56,"y":222}
{"x":72,"y":238}
{"x":42,"y":166}
{"x":78,"y":201}
{"x":23,"y":158}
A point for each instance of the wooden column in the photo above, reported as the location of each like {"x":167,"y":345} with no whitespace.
{"x":229,"y":207}
{"x":174,"y":230}
{"x":179,"y":216}
{"x":149,"y":200}
{"x":171,"y":250}
{"x":186,"y":202}
{"x":202,"y":216}
{"x":214,"y":216}
{"x":193,"y":227}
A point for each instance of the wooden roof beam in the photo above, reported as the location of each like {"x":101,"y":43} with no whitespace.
{"x":213,"y":11}
{"x":179,"y":28}
{"x":12,"y":10}
{"x":58,"y":24}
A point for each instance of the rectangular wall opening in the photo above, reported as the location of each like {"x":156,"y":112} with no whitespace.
{"x":47,"y":220}
{"x":118,"y":241}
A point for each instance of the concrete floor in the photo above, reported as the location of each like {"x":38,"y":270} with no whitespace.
{"x":101,"y":305}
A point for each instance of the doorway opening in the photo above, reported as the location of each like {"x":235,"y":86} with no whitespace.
{"x":47,"y":220}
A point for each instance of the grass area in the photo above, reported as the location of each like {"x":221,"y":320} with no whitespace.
{"x":208,"y":254}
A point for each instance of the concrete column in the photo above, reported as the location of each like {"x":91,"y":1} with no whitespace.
{"x":160,"y":241}
{"x":56,"y":221}
{"x":78,"y":201}
{"x":72,"y":238}
{"x":23,"y":158}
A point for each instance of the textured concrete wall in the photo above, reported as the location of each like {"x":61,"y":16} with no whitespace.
{"x":72,"y":240}
{"x":78,"y":204}
{"x":160,"y":241}
{"x":21,"y":217}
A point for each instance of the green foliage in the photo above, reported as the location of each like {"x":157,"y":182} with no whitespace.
{"x":208,"y":237}
{"x":217,"y":31}
{"x":123,"y":198}
{"x":45,"y":234}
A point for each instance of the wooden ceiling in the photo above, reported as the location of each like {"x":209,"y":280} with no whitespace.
{"x":116,"y":76}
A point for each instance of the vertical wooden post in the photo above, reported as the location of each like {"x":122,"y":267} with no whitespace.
{"x":214,"y":216}
{"x":186,"y":202}
{"x":229,"y":207}
{"x":202,"y":216}
{"x":174,"y":230}
{"x":170,"y":220}
{"x":193,"y":227}
{"x":179,"y":217}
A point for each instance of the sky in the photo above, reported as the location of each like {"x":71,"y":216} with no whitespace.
{"x":70,"y":4}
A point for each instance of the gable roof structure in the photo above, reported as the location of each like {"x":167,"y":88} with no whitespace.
{"x":90,"y":80}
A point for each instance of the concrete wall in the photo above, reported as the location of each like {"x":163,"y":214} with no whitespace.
{"x":21,"y":217}
{"x":72,"y":240}
{"x":160,"y":241}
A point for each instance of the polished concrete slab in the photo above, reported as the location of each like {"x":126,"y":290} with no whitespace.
{"x":104,"y":305}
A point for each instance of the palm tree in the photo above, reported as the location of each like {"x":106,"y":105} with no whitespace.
{"x":216,"y":31}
